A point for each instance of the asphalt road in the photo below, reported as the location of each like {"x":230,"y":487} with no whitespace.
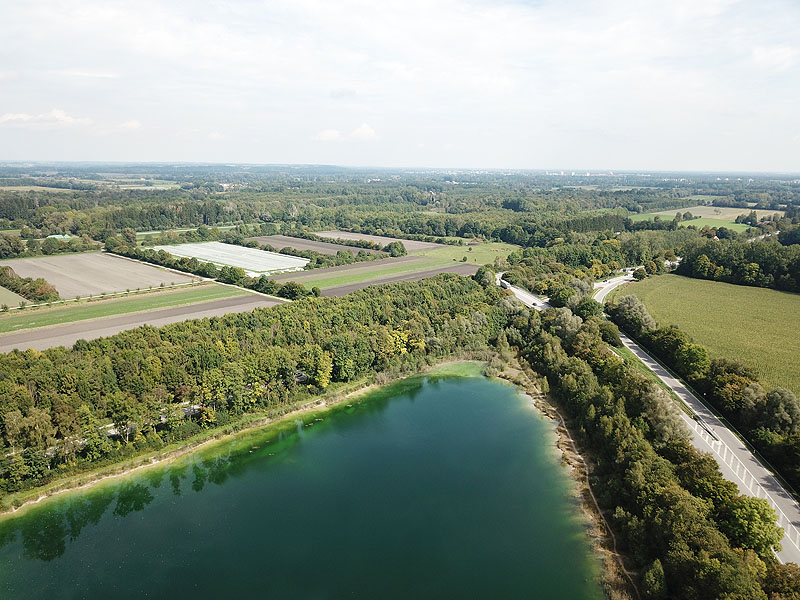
{"x":604,"y":288}
{"x":709,"y":434}
{"x":67,"y":334}
{"x":736,"y":462}
{"x":459,"y":268}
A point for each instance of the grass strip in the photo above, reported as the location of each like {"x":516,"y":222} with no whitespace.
{"x":80,"y":311}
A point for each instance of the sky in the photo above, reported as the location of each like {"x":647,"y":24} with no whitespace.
{"x":571,"y":84}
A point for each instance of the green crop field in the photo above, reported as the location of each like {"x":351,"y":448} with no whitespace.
{"x":713,"y":216}
{"x":755,"y":325}
{"x":699,"y":223}
{"x":432,"y":258}
{"x":79,"y":311}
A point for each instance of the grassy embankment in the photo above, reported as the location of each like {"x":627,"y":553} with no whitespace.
{"x":754,"y":325}
{"x":434,"y":258}
{"x":135,"y":302}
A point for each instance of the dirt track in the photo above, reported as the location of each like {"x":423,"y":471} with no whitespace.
{"x":67,"y":334}
{"x":341,"y":290}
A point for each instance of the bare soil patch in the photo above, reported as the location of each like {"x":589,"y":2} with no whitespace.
{"x":411,"y":245}
{"x":67,"y":334}
{"x":94,"y":273}
{"x":341,"y":290}
{"x":284,"y":241}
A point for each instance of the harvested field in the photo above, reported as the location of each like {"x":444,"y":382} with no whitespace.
{"x":411,"y":245}
{"x":94,"y":273}
{"x":460,"y":269}
{"x":365,"y":267}
{"x":254,"y":262}
{"x":441,"y":257}
{"x":10,"y":298}
{"x":284,"y":241}
{"x":66,"y":335}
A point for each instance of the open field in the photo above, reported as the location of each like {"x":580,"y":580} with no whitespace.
{"x":411,"y":245}
{"x":10,"y":298}
{"x":708,"y":221}
{"x":66,"y":335}
{"x":459,"y":268}
{"x":755,"y":325}
{"x":93,"y":273}
{"x":140,"y":235}
{"x":284,"y":241}
{"x":255,"y":262}
{"x":79,"y":311}
{"x":439,"y":257}
{"x":34,"y":188}
{"x":715,"y":213}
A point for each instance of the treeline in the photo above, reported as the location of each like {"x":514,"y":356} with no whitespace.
{"x":588,"y":258}
{"x":685,"y":528}
{"x":761,"y":263}
{"x":290,"y":290}
{"x":768,"y":420}
{"x":158,"y":385}
{"x":35,"y":290}
{"x":316,"y":260}
{"x":12,"y":246}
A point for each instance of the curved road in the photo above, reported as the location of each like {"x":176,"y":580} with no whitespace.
{"x":604,"y":288}
{"x":709,"y":434}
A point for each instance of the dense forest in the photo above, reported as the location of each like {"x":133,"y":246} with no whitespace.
{"x":529,"y":209}
{"x":762,"y":264}
{"x":683,"y":525}
{"x":57,"y":405}
{"x":683,"y":528}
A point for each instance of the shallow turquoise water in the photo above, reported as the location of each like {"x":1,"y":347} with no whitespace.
{"x":432,"y":488}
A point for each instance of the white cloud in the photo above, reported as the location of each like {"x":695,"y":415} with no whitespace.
{"x":343,"y":93}
{"x":363,"y":133}
{"x":131,"y":125}
{"x":216,"y":136}
{"x":647,"y":84}
{"x":54,"y":119}
{"x":778,"y":58}
{"x":85,"y":74}
{"x":328,"y":135}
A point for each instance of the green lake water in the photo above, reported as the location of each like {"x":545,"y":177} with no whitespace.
{"x":436,"y":487}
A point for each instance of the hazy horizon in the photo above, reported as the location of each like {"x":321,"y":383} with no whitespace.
{"x":691,"y":87}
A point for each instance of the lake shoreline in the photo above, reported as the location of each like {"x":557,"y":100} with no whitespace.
{"x":324,"y":403}
{"x":617,"y":582}
{"x":610,"y":572}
